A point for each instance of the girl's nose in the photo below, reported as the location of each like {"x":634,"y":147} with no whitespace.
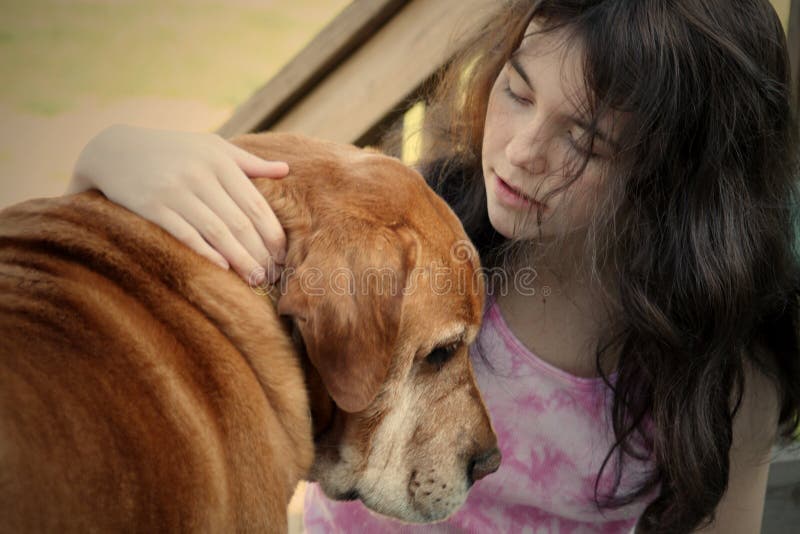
{"x":527,"y":149}
{"x":527,"y":154}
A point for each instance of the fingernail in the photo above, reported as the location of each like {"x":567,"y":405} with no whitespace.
{"x":222,"y":263}
{"x":281,"y":166}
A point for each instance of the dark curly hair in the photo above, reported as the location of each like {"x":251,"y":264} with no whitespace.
{"x":699,"y":224}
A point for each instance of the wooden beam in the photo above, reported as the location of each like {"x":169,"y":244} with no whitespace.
{"x":348,"y":31}
{"x":347,"y":96}
{"x":376,"y":80}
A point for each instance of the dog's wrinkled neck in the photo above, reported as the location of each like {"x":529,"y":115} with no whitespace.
{"x":294,"y":207}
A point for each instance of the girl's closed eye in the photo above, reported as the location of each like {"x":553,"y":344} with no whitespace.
{"x":517,"y":95}
{"x":514,"y":96}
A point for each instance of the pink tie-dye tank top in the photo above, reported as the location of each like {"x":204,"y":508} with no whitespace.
{"x":553,"y":431}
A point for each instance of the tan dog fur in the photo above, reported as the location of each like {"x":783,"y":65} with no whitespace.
{"x":144,"y":389}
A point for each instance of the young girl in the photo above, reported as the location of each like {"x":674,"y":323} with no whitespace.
{"x":641,"y":157}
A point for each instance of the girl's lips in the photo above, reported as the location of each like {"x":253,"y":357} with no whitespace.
{"x":513,"y":198}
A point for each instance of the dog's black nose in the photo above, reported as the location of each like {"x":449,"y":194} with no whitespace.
{"x":482,"y":465}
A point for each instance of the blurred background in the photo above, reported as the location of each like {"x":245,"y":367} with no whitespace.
{"x":72,"y":67}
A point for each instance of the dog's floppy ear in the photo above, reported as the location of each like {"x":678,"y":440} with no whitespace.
{"x":346,"y":298}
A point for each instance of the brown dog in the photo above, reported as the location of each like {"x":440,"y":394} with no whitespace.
{"x":144,"y":389}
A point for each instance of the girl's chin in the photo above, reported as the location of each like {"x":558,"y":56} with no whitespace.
{"x":508,"y":225}
{"x":507,"y":230}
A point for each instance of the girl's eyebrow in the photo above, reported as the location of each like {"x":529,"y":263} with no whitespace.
{"x":514,"y":62}
{"x":580,"y":122}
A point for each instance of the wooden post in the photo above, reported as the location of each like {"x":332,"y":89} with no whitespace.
{"x":343,"y":89}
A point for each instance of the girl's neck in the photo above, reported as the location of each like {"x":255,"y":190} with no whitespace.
{"x":561,"y":312}
{"x":560,"y":267}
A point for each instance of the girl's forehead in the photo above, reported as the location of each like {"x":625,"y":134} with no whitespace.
{"x":552,"y":57}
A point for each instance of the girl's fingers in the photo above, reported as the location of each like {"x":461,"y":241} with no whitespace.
{"x":254,"y":166}
{"x":186,"y":234}
{"x":217,"y":199}
{"x":252,"y":204}
{"x":216,"y":232}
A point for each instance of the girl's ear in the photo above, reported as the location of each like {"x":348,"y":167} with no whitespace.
{"x":346,"y":299}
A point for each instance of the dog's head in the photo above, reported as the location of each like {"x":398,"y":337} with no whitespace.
{"x":385,"y":290}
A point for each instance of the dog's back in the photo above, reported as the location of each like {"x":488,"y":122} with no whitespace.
{"x":130,"y":387}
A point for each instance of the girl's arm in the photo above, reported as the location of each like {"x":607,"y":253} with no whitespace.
{"x":754,"y":432}
{"x":195,"y":186}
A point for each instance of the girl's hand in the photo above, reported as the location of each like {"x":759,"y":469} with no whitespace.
{"x":196,"y":187}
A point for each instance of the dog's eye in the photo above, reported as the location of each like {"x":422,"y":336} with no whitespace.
{"x":439,"y":356}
